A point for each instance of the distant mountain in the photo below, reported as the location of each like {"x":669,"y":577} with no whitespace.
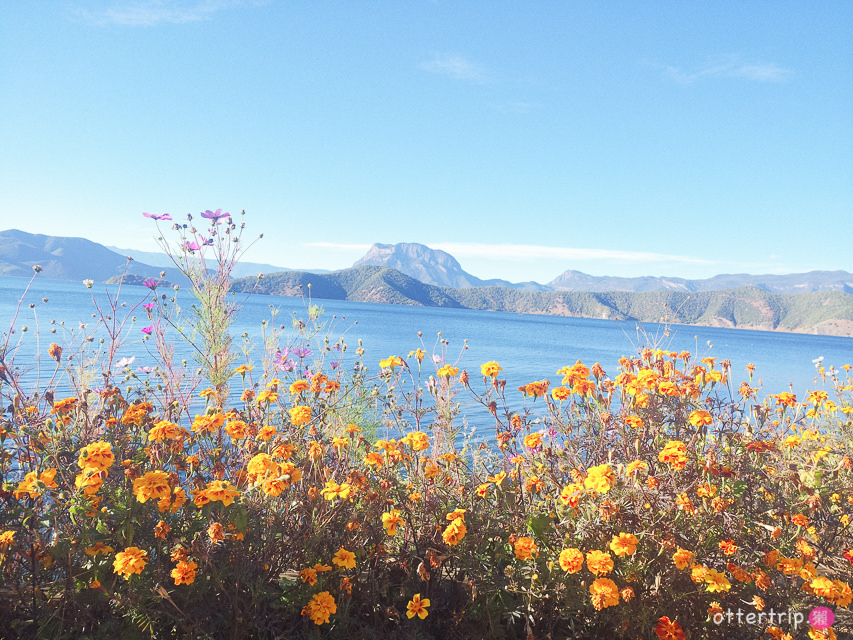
{"x":827,"y":312}
{"x":432,"y":266}
{"x":69,"y":259}
{"x":791,"y":283}
{"x":241,"y":269}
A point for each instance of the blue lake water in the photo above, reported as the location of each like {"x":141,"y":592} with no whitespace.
{"x":528,"y":347}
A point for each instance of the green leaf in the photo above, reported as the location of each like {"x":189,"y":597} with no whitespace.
{"x":538,"y":524}
{"x":738,"y":487}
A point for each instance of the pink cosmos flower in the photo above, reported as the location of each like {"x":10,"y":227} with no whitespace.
{"x":147,"y":330}
{"x":215,"y":216}
{"x":157,"y":216}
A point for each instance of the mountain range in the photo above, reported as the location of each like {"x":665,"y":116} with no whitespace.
{"x":411,"y":273}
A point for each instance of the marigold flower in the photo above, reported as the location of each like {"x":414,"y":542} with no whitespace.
{"x":34,"y":484}
{"x":625,"y":544}
{"x":184,"y":573}
{"x":392,"y":362}
{"x":571,"y":560}
{"x":161,"y":529}
{"x":674,"y":454}
{"x":334,"y":490}
{"x":300,"y":415}
{"x":700,"y":418}
{"x":344,"y":559}
{"x":599,"y":478}
{"x":571,"y":494}
{"x":164,"y":430}
{"x":417,"y":607}
{"x":717,"y":582}
{"x":599,"y":562}
{"x":604,"y":593}
{"x":667,"y":629}
{"x":533,"y":440}
{"x":7,"y":539}
{"x":682,"y":558}
{"x":216,"y":532}
{"x":154,"y":484}
{"x":131,"y":560}
{"x":490,"y":369}
{"x":222,"y":491}
{"x":525,"y":548}
{"x":321,"y":606}
{"x":454,"y":532}
{"x":417,"y":440}
{"x":637,"y":466}
{"x":208,"y":423}
{"x":392,"y":520}
{"x":309,"y":575}
{"x":498,"y":479}
{"x":98,"y":455}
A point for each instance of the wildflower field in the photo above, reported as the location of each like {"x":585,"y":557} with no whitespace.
{"x":298,"y":489}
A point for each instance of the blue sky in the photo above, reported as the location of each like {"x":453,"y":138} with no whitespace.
{"x":525,"y":138}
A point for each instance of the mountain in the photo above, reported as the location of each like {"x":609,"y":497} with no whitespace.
{"x":823,"y":312}
{"x":791,"y":283}
{"x":241,"y":269}
{"x":432,"y":266}
{"x":69,"y":259}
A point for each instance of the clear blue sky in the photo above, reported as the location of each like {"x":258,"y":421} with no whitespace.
{"x":525,"y":138}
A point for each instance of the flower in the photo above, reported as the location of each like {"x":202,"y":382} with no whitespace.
{"x":7,"y":538}
{"x":571,"y":560}
{"x":490,"y":369}
{"x":417,"y":607}
{"x":147,"y":330}
{"x":717,"y":582}
{"x":728,"y":547}
{"x":215,"y":216}
{"x":97,"y":549}
{"x":157,"y":216}
{"x":604,"y":593}
{"x":216,"y":532}
{"x":700,"y":418}
{"x":154,"y":484}
{"x":571,"y":493}
{"x":392,"y":362}
{"x":299,"y":415}
{"x":321,"y":606}
{"x":674,"y":454}
{"x":625,"y":544}
{"x":222,"y":491}
{"x":667,"y":629}
{"x":525,"y":548}
{"x":682,"y":558}
{"x":533,"y":440}
{"x":599,"y":562}
{"x":344,"y":559}
{"x":454,"y":532}
{"x":184,"y":573}
{"x":334,"y":490}
{"x":600,"y":478}
{"x":98,"y":455}
{"x":131,"y":560}
{"x":392,"y":520}
{"x":447,"y":371}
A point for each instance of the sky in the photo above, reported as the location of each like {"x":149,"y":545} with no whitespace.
{"x":525,"y":138}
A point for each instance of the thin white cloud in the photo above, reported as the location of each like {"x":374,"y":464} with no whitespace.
{"x":457,"y":67}
{"x":728,"y":67}
{"x":148,"y":13}
{"x":338,"y":246}
{"x":536,"y":252}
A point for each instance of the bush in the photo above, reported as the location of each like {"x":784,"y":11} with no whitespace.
{"x":330,"y":502}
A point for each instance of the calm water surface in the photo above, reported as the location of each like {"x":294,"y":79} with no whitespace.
{"x":528,"y":347}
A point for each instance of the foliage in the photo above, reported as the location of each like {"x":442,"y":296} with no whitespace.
{"x":321,"y":498}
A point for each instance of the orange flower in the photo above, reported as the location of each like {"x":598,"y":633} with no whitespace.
{"x":667,"y":629}
{"x":599,"y":478}
{"x":533,"y":440}
{"x":625,"y":544}
{"x":184,"y":573}
{"x":392,"y":520}
{"x":700,"y":418}
{"x":216,"y":532}
{"x":490,"y":369}
{"x":674,"y":454}
{"x":154,"y":484}
{"x":525,"y":548}
{"x":98,"y":455}
{"x":344,"y":559}
{"x":131,"y":560}
{"x":604,"y":593}
{"x":682,"y":558}
{"x":571,"y":560}
{"x":300,"y":415}
{"x":599,"y":562}
{"x":454,"y":532}
{"x":321,"y":606}
{"x":417,"y":607}
{"x":728,"y":547}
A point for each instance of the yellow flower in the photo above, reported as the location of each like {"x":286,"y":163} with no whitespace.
{"x":392,"y":520}
{"x":334,"y":490}
{"x":604,"y":593}
{"x":599,"y":479}
{"x":447,"y":371}
{"x":222,"y":491}
{"x":299,"y":386}
{"x":682,"y":558}
{"x":7,"y":538}
{"x":533,"y":440}
{"x":571,"y":494}
{"x":674,"y":454}
{"x":571,"y":560}
{"x":321,"y":606}
{"x":417,"y":607}
{"x":300,"y":415}
{"x":454,"y":532}
{"x":417,"y":440}
{"x":131,"y":560}
{"x":184,"y":572}
{"x":98,"y":455}
{"x":490,"y":369}
{"x":344,"y":559}
{"x":392,"y":362}
{"x":700,"y":418}
{"x":525,"y":548}
{"x":637,"y":466}
{"x":625,"y":544}
{"x":717,"y":582}
{"x":164,"y":430}
{"x":154,"y":484}
{"x":599,"y":562}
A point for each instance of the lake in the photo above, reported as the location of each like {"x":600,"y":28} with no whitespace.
{"x":528,"y":347}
